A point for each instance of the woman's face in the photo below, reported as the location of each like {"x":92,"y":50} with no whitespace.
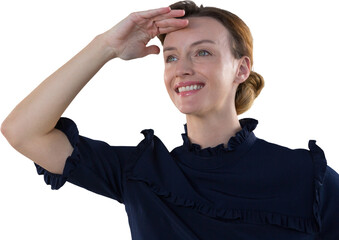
{"x":200,"y":70}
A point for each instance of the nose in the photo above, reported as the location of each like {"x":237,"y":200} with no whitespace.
{"x":184,"y":67}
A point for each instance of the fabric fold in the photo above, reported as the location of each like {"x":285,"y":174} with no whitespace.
{"x":320,"y":165}
{"x":58,"y":180}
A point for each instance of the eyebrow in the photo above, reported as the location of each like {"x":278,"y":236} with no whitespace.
{"x":192,"y":45}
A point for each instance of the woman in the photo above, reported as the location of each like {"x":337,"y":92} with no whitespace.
{"x":224,"y":182}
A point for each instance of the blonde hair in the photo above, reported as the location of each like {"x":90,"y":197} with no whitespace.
{"x":248,"y":91}
{"x":241,"y":45}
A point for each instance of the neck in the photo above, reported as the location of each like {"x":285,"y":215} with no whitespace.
{"x":210,"y":131}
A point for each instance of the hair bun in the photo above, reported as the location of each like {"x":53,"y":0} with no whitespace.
{"x":248,"y":91}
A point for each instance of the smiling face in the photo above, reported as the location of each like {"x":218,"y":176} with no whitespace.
{"x":200,"y":69}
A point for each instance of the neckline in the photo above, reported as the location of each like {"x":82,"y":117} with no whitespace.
{"x":214,"y":157}
{"x":247,"y":127}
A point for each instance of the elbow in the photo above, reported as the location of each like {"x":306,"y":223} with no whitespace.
{"x":4,"y":129}
{"x":8,"y":131}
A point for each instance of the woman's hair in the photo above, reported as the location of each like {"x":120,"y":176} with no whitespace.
{"x":241,"y":45}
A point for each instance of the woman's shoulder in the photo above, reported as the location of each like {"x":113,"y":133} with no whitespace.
{"x":268,"y":149}
{"x":307,"y":166}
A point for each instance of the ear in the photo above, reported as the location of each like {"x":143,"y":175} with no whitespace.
{"x":244,"y":70}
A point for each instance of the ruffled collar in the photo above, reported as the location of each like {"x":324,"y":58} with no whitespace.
{"x":246,"y":133}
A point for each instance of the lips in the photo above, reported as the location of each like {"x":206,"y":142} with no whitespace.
{"x":189,"y":86}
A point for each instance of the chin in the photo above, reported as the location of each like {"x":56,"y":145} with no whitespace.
{"x":188,"y":110}
{"x":184,"y":110}
{"x":191,"y":107}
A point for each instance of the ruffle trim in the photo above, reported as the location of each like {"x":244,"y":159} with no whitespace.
{"x":308,"y":225}
{"x":58,"y":180}
{"x":247,"y":125}
{"x":320,"y":166}
{"x":245,"y":215}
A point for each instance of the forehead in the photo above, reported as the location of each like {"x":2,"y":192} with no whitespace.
{"x":197,"y":29}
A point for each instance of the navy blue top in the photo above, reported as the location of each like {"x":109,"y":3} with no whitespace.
{"x":251,"y":189}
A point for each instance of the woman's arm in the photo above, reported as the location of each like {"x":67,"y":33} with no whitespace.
{"x":29,"y":128}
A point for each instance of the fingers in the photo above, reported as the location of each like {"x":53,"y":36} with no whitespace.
{"x":161,"y":20}
{"x":154,"y":12}
{"x":161,"y":14}
{"x":172,"y":14}
{"x":170,"y":25}
{"x":153,"y":49}
{"x":169,"y":22}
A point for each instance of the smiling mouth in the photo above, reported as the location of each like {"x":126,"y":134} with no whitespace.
{"x":189,"y":88}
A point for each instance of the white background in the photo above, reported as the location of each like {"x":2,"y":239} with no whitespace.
{"x":295,"y":49}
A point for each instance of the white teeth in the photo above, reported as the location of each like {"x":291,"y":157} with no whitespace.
{"x":189,"y":88}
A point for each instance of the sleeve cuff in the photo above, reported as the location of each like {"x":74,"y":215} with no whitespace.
{"x":56,"y":181}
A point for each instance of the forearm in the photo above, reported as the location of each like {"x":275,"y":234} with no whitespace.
{"x":38,"y":113}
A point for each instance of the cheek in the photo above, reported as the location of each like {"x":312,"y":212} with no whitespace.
{"x":167,"y":78}
{"x":227,"y":73}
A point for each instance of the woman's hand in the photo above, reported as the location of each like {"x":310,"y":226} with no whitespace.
{"x":129,"y":38}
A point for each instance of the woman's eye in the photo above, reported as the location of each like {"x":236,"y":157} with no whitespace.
{"x":202,"y":53}
{"x":171,"y":58}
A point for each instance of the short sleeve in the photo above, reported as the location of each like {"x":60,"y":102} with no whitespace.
{"x":329,"y":207}
{"x":93,"y":165}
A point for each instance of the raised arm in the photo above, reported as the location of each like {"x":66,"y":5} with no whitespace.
{"x":29,"y":128}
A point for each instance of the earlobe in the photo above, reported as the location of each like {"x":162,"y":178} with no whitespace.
{"x":244,"y":69}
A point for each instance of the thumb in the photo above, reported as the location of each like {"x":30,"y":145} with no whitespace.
{"x":153,"y":49}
